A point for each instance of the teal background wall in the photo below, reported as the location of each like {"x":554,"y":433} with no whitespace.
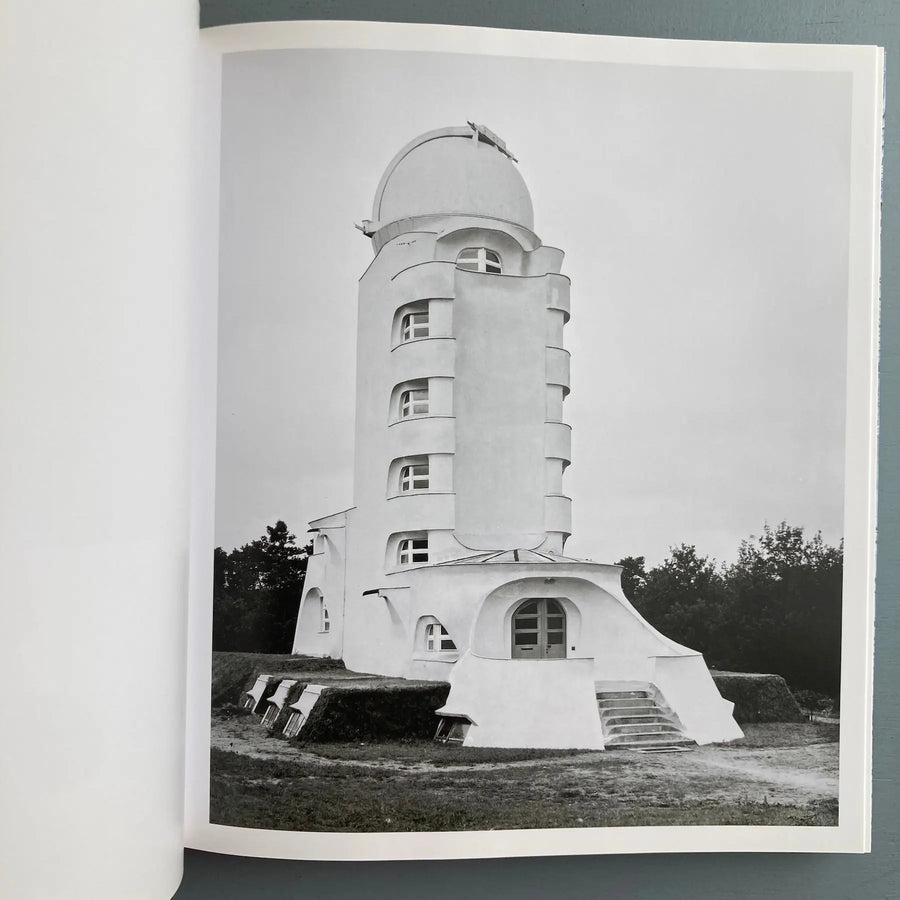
{"x":699,"y":876}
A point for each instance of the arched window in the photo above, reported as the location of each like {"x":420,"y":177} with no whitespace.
{"x":539,"y":630}
{"x":437,"y":638}
{"x":414,"y":477}
{"x":414,"y":402}
{"x":479,"y":259}
{"x":414,"y":325}
{"x":412,"y":550}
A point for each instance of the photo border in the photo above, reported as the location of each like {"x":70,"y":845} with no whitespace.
{"x":853,"y":832}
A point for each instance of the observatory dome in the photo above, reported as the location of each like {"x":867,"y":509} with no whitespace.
{"x":463,"y":170}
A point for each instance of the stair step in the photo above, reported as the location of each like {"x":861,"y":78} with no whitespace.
{"x":615,"y":711}
{"x":648,"y":740}
{"x":645,"y":728}
{"x":618,"y":695}
{"x":665,"y":749}
{"x":635,"y":718}
{"x":626,"y":703}
{"x":651,"y":730}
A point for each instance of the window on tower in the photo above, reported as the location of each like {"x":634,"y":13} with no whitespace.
{"x":414,"y":402}
{"x":480,"y":259}
{"x":414,"y":325}
{"x":412,"y":551}
{"x":414,"y":477}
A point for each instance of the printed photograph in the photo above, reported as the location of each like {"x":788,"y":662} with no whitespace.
{"x":530,"y":443}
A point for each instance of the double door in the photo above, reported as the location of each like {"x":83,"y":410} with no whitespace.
{"x":539,"y":630}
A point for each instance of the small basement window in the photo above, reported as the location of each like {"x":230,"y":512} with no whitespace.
{"x":479,"y":259}
{"x":438,"y":638}
{"x":295,"y":722}
{"x":452,"y":729}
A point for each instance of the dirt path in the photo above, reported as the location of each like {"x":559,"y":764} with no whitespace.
{"x":796,"y":774}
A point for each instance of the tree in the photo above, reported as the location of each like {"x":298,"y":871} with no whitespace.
{"x":683,"y":598}
{"x":256,"y":592}
{"x":777,"y":609}
{"x":785,"y":598}
{"x":634,"y":576}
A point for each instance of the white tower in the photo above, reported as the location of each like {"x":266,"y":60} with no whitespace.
{"x":450,"y":565}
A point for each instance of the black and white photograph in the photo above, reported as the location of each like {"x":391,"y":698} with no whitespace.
{"x":531,"y":443}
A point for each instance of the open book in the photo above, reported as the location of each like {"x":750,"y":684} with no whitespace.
{"x":684,"y":235}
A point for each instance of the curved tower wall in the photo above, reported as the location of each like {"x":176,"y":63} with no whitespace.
{"x":493,"y":367}
{"x":496,"y":374}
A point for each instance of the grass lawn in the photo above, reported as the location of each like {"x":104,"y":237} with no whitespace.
{"x":778,"y":775}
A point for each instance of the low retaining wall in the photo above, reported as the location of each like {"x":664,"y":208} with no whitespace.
{"x":232,"y":672}
{"x":758,"y":697}
{"x":377,"y":713}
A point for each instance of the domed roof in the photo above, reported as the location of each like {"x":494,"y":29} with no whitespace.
{"x":463,"y":170}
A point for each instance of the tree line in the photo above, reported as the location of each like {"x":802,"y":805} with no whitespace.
{"x":777,"y":609}
{"x":256,"y":592}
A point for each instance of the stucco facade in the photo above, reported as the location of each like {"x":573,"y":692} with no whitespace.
{"x":450,"y":564}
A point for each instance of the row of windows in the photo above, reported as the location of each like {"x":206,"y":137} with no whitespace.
{"x":538,"y":624}
{"x":415,"y":402}
{"x":436,"y":636}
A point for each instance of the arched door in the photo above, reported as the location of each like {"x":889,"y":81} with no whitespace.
{"x":539,"y":630}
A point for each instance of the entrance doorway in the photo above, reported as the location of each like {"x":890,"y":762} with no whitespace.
{"x":539,"y":630}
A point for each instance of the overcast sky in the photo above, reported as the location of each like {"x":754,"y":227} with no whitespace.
{"x":703,"y":214}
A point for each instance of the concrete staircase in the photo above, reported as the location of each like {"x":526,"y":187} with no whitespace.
{"x":635,"y":720}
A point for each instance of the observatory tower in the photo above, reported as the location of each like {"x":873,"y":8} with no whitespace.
{"x":450,"y":564}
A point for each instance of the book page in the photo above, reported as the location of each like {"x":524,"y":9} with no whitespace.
{"x":96,"y":172}
{"x":434,"y":637}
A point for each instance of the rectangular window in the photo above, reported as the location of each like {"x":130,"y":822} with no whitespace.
{"x":413,"y":550}
{"x":270,"y":716}
{"x":414,"y":477}
{"x":415,"y":325}
{"x":325,"y":622}
{"x":294,"y":723}
{"x":451,"y":730}
{"x":414,"y":403}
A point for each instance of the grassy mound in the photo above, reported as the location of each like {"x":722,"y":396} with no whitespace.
{"x":758,"y":698}
{"x":382,"y":713}
{"x":233,"y":673}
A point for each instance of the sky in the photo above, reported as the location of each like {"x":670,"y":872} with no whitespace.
{"x":704,"y":217}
